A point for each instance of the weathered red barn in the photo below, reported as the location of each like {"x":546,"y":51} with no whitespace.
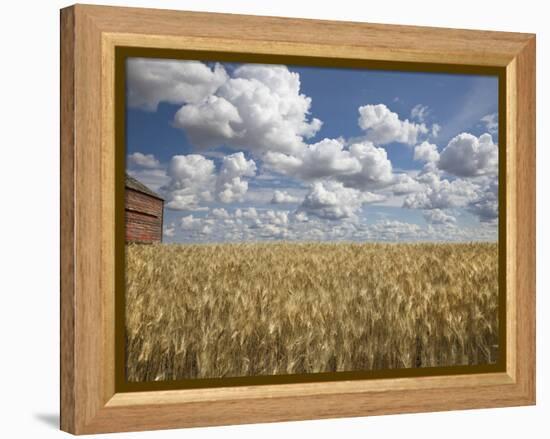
{"x":144,"y":213}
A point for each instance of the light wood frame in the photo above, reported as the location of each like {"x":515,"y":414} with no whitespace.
{"x":89,"y":35}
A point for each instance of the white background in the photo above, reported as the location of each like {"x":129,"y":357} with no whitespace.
{"x":29,"y":218}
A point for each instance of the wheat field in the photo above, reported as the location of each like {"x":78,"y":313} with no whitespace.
{"x":229,"y":310}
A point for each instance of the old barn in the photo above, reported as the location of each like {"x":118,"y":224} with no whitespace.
{"x":144,"y":213}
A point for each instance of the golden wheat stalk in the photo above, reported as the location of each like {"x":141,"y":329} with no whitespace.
{"x":221,"y":310}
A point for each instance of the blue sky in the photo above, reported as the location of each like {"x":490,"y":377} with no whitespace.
{"x":264,"y":152}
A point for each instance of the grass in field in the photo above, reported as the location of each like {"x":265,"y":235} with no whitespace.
{"x":204,"y":311}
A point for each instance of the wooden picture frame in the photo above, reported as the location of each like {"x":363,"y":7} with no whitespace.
{"x":89,"y":38}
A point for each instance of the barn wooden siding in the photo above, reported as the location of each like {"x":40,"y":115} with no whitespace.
{"x":144,"y":216}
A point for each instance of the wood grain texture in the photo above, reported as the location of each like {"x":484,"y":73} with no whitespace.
{"x":322,"y":37}
{"x":511,"y":209}
{"x":107,"y":185}
{"x":89,"y":37}
{"x":525,"y":220}
{"x":309,"y":389}
{"x":67,"y":336}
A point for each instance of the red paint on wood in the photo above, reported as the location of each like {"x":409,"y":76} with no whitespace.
{"x":143,"y":217}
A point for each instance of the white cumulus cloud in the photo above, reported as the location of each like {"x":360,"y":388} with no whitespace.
{"x":393,"y":230}
{"x":362,"y":165}
{"x":143,"y":160}
{"x":437,"y":216}
{"x":485,"y":207}
{"x":283,"y":197}
{"x":405,"y":184}
{"x":469,"y":156}
{"x":250,"y":213}
{"x":332,"y":200}
{"x":170,"y":231}
{"x":383,"y":126}
{"x":426,"y":152}
{"x":375,"y":167}
{"x":220,"y":213}
{"x":491,"y":122}
{"x":189,"y":222}
{"x":478,"y":196}
{"x":441,"y":194}
{"x":191,"y":179}
{"x":230,"y":185}
{"x":152,"y":81}
{"x":259,"y":109}
{"x":208,"y":123}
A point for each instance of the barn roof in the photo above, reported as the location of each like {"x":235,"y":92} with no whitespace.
{"x":132,"y":183}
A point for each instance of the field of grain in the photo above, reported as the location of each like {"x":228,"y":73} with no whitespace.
{"x":226,"y":310}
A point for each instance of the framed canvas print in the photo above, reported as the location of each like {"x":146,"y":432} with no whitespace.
{"x":270,"y":219}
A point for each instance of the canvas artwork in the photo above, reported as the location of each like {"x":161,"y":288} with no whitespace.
{"x":285,"y":220}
